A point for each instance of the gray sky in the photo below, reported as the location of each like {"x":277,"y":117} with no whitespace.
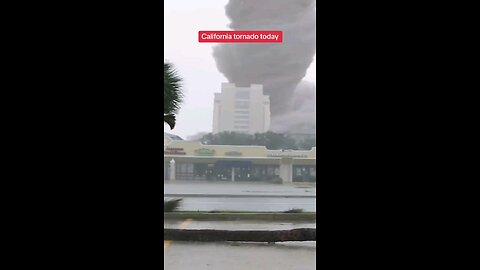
{"x":194,"y":60}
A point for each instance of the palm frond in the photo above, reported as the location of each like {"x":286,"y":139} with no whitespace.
{"x":169,"y":119}
{"x":171,"y":205}
{"x":172,"y":89}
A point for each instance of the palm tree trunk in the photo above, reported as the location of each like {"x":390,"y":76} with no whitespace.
{"x":304,"y":234}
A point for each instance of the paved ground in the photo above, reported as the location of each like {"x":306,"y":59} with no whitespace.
{"x":203,"y":256}
{"x":182,"y":187}
{"x":247,"y":204}
{"x":232,"y":256}
{"x":237,"y":225}
{"x":258,"y":203}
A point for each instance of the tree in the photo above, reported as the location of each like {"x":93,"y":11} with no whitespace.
{"x":275,"y":141}
{"x":229,"y":138}
{"x":172,"y":94}
{"x":307,"y":144}
{"x":271,"y":140}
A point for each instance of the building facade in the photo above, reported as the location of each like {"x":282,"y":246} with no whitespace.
{"x":191,"y":160}
{"x":167,"y":138}
{"x":241,"y":109}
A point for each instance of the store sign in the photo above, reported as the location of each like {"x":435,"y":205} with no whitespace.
{"x":205,"y":152}
{"x":290,"y":155}
{"x":174,"y":151}
{"x":233,"y":154}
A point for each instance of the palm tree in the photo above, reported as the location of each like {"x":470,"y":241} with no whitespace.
{"x":172,"y":94}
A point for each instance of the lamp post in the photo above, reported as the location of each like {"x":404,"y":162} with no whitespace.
{"x":172,"y":170}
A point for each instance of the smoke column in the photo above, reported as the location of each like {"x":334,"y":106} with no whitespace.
{"x":279,"y":67}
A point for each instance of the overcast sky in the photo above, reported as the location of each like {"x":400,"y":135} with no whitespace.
{"x":194,"y":60}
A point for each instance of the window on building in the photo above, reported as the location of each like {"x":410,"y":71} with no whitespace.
{"x":241,"y":122}
{"x":242,"y":104}
{"x":237,"y":111}
{"x":241,"y":127}
{"x":242,"y":117}
{"x":242,"y":94}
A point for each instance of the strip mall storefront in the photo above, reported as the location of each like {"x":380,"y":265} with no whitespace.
{"x":187,"y":160}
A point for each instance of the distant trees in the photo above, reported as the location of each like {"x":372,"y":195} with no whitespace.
{"x":271,"y":140}
{"x":228,"y":138}
{"x":307,"y":143}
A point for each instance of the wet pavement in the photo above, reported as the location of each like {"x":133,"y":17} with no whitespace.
{"x":239,"y":225}
{"x":180,"y":255}
{"x":203,"y":256}
{"x":186,"y":187}
{"x":246,"y":204}
{"x":259,"y":202}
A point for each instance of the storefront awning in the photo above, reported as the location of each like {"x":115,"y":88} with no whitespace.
{"x":233,"y":163}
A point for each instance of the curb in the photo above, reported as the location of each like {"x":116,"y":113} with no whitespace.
{"x":236,"y":196}
{"x":311,"y":217}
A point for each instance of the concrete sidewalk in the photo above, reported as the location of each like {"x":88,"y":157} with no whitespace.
{"x":171,"y":195}
{"x":291,"y":217}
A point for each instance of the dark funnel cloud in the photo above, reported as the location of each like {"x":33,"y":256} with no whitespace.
{"x":279,"y":67}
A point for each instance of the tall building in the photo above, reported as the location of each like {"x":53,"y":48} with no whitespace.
{"x":241,"y":109}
